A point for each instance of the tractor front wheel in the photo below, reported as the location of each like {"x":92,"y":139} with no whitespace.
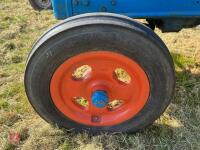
{"x":100,"y":72}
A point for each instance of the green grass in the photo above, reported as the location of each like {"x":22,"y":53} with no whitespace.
{"x":178,"y":128}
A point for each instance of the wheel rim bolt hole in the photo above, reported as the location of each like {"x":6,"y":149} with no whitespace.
{"x":122,"y":76}
{"x":81,"y":72}
{"x":81,"y":101}
{"x":115,"y":104}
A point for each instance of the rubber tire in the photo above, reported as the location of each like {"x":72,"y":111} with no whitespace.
{"x":100,"y":31}
{"x":39,"y":8}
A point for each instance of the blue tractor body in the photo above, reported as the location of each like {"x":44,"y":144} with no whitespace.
{"x":132,"y":8}
{"x":169,"y":15}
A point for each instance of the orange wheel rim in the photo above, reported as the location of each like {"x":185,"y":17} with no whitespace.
{"x":72,"y":90}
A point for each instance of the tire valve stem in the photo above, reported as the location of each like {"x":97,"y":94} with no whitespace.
{"x":96,"y":119}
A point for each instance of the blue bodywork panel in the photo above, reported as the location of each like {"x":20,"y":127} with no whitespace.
{"x":132,"y":8}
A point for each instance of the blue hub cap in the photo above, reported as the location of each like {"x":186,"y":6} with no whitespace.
{"x":100,"y":99}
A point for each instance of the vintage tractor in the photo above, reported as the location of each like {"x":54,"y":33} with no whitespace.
{"x":103,"y":71}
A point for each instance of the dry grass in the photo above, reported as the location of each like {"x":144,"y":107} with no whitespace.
{"x":178,"y":128}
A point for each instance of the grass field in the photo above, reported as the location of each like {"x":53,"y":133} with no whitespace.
{"x":178,"y":128}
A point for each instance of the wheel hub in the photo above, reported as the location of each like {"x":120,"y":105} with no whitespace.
{"x":100,"y":98}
